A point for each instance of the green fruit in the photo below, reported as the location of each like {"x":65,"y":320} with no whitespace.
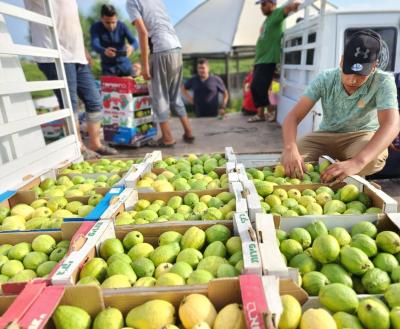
{"x":356,"y":205}
{"x":169,"y":237}
{"x":23,"y":276}
{"x":364,"y":227}
{"x":45,"y":268}
{"x":211,"y":264}
{"x":281,"y":235}
{"x":19,"y":251}
{"x":313,"y":282}
{"x":337,"y":274}
{"x":314,"y":209}
{"x":12,"y":267}
{"x":395,"y":275}
{"x":386,"y":262}
{"x":34,"y":259}
{"x":110,"y":318}
{"x":226,"y":271}
{"x":323,"y":197}
{"x":392,"y":295}
{"x":132,"y":239}
{"x":345,"y":320}
{"x":235,"y":258}
{"x":199,"y":277}
{"x":388,"y":241}
{"x":373,"y":314}
{"x":225,"y":197}
{"x":68,"y":317}
{"x":63,"y":244}
{"x":110,"y":247}
{"x":337,"y":297}
{"x":365,"y":243}
{"x":375,"y":281}
{"x":365,"y":199}
{"x":316,"y":229}
{"x":374,"y":210}
{"x":143,"y":267}
{"x":291,"y":315}
{"x":240,"y":266}
{"x":120,"y":267}
{"x":182,"y":269}
{"x":214,"y":202}
{"x":4,"y":249}
{"x":175,"y":202}
{"x":58,"y":254}
{"x":355,"y":260}
{"x":3,"y":260}
{"x":341,"y":235}
{"x":233,"y":245}
{"x":162,"y":269}
{"x":165,"y":254}
{"x":218,"y":233}
{"x":140,"y":250}
{"x":95,"y":268}
{"x":290,"y":248}
{"x":217,"y":248}
{"x":325,"y":249}
{"x":349,"y":193}
{"x":154,"y":314}
{"x":264,"y":188}
{"x":304,"y":262}
{"x":302,"y":236}
{"x":395,"y":318}
{"x":190,"y":256}
{"x":122,"y":257}
{"x":334,"y":206}
{"x":191,"y":199}
{"x":193,"y":238}
{"x":116,"y":281}
{"x":145,"y":282}
{"x":170,"y":279}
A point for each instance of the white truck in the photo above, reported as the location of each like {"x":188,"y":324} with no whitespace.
{"x":316,"y":43}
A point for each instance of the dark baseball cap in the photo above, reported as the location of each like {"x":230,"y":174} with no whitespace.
{"x":261,"y":1}
{"x":361,"y":52}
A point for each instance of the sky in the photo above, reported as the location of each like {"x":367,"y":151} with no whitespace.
{"x":179,"y":8}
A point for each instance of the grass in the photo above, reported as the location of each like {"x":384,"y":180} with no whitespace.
{"x":32,"y":73}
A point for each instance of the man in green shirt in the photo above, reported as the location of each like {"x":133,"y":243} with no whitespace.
{"x":268,"y":53}
{"x":360,"y":116}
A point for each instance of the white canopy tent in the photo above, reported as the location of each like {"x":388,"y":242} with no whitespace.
{"x":225,"y":29}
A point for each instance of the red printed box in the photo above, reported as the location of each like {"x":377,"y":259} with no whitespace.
{"x":122,"y":85}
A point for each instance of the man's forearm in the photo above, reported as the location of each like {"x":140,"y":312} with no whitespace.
{"x":226,"y":98}
{"x":144,"y":49}
{"x":289,"y":130}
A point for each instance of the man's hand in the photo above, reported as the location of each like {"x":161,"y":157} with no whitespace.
{"x":110,"y":52}
{"x":146,"y":73}
{"x":341,"y":170}
{"x":293,"y":163}
{"x":129,"y":50}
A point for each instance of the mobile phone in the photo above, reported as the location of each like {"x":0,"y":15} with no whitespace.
{"x":121,"y":53}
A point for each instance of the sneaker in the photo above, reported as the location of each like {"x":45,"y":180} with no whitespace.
{"x":107,"y":150}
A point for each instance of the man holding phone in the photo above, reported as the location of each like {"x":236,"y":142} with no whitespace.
{"x":108,"y":38}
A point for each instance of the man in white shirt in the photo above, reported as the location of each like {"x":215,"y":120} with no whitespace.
{"x":79,"y":76}
{"x":165,"y":68}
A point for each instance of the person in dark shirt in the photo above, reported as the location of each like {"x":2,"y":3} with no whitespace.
{"x":108,"y":38}
{"x":206,"y":89}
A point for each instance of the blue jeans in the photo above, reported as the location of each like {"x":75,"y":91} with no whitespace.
{"x":81,"y":83}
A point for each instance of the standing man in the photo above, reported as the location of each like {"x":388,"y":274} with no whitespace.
{"x":268,"y":53}
{"x":78,"y":73}
{"x":157,"y":37}
{"x":360,"y":115}
{"x":108,"y":38}
{"x":206,"y":89}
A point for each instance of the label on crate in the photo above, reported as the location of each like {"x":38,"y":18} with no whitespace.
{"x":251,"y":258}
{"x":122,"y":85}
{"x":254,"y":303}
{"x":242,"y":227}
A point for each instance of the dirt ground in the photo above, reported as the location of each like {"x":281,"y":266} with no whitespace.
{"x":213,"y":135}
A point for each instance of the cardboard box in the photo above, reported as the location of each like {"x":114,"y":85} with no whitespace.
{"x":68,"y":231}
{"x":67,"y":272}
{"x":12,"y":198}
{"x":122,"y":85}
{"x":129,"y":199}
